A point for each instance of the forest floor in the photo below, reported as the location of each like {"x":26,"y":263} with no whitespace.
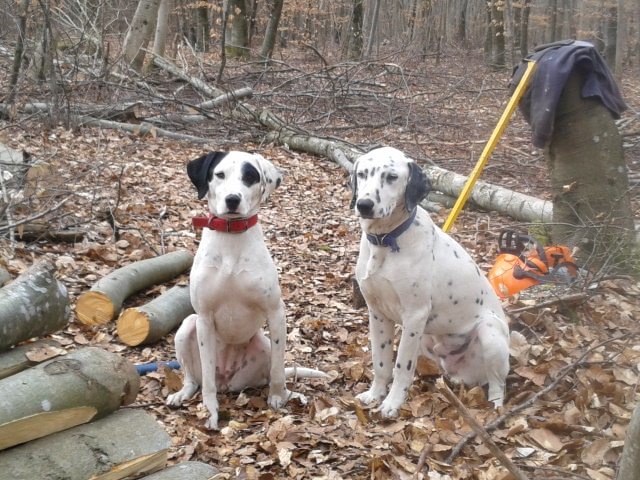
{"x":132,"y":196}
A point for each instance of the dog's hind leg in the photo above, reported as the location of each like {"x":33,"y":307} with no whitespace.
{"x":188,"y":355}
{"x":494,"y":338}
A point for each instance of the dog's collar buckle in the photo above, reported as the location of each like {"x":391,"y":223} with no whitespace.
{"x":225,"y":225}
{"x":389,"y":239}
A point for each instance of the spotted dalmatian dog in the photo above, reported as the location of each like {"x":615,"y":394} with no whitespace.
{"x":414,"y":275}
{"x":234,"y":289}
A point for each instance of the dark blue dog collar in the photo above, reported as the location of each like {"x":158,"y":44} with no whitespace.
{"x":389,"y":239}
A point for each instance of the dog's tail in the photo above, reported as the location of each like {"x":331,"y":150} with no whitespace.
{"x":303,"y":372}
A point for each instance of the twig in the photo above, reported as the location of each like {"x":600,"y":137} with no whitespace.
{"x":4,"y":228}
{"x":563,"y":372}
{"x":572,"y":298}
{"x":480,"y":431}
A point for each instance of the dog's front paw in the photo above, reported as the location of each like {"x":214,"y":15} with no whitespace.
{"x":387,"y":409}
{"x":176,"y":399}
{"x":278,"y":401}
{"x":212,"y":422}
{"x":371,"y":396}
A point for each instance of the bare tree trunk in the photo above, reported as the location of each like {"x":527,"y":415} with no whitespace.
{"x":524,"y":27}
{"x":621,"y":40}
{"x":237,"y":36}
{"x":160,"y":39}
{"x":19,"y":51}
{"x":271,"y":32}
{"x":375,"y":17}
{"x":552,"y":7}
{"x":611,"y":31}
{"x":140,"y":32}
{"x":354,"y":38}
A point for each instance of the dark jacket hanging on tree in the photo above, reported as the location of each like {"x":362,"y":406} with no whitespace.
{"x":555,"y":62}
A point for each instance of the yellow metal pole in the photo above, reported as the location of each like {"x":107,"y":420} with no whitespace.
{"x":497,"y":132}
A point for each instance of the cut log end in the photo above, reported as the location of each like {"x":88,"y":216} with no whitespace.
{"x":94,"y":308}
{"x":133,"y":327}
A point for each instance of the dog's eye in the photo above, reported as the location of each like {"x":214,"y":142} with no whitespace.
{"x":220,"y":175}
{"x":392,"y":177}
{"x":362,"y":175}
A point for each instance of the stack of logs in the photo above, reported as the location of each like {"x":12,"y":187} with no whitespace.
{"x":64,"y":415}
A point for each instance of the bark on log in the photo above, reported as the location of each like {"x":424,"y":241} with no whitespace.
{"x":629,"y":465}
{"x":151,"y":322}
{"x":104,"y":301}
{"x":34,"y":304}
{"x":4,"y":277}
{"x":28,"y":355}
{"x":127,"y":443}
{"x":186,"y":471}
{"x":64,"y":392}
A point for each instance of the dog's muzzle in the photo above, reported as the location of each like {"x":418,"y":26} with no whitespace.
{"x":232,"y":202}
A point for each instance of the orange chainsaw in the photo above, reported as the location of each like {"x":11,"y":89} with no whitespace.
{"x":523,"y":262}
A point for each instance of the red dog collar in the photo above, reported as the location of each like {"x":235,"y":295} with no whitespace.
{"x":224,"y":225}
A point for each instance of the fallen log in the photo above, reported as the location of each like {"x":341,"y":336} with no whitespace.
{"x":151,"y":322}
{"x":104,"y":301}
{"x":34,"y":304}
{"x":64,"y":392}
{"x":186,"y":471}
{"x":34,"y":231}
{"x":28,"y":355}
{"x":127,"y":443}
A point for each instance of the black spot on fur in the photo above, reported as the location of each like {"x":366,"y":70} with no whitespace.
{"x":409,"y":365}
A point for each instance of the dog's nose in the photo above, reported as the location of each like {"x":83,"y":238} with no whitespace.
{"x":365,"y":207}
{"x":232,"y":202}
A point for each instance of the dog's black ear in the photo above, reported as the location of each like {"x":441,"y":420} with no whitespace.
{"x":418,"y":186}
{"x":353,"y":182}
{"x":199,"y":171}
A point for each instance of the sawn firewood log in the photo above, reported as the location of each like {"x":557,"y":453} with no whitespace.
{"x":34,"y":304}
{"x":186,"y":471}
{"x":104,"y":301}
{"x":64,"y":392}
{"x":127,"y":443}
{"x":151,"y":322}
{"x":28,"y":355}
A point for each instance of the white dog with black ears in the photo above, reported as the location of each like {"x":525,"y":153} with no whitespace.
{"x":234,"y":289}
{"x":413,"y":274}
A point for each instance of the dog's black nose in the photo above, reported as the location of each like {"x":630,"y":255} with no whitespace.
{"x":232,"y":202}
{"x":365,"y":207}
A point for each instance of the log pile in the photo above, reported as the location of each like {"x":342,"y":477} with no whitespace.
{"x":63,"y":419}
{"x":61,"y":413}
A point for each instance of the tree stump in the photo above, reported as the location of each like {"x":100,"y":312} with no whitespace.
{"x":589,"y":182}
{"x":34,"y":304}
{"x":127,"y":443}
{"x":104,"y":301}
{"x":151,"y":322}
{"x":64,"y":392}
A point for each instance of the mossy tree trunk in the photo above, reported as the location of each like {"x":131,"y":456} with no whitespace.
{"x":590,"y":186}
